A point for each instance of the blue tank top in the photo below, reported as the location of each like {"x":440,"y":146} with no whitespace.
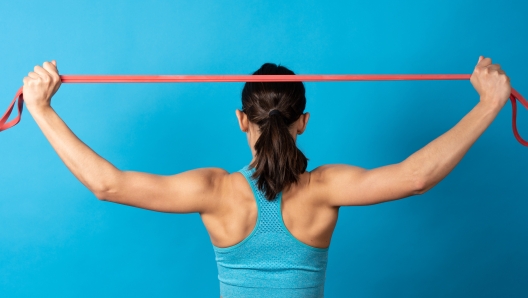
{"x":270,"y":262}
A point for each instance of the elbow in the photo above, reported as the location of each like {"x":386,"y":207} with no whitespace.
{"x":104,"y":184}
{"x":106,"y":187}
{"x":104,"y":191}
{"x":420,"y":186}
{"x":100,"y":195}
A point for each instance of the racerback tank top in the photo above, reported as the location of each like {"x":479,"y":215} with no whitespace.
{"x":270,"y":262}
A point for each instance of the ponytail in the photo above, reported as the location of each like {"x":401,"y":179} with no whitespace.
{"x":278,"y":161}
{"x":274,"y":107}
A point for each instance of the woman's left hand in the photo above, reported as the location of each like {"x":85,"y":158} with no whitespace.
{"x":40,"y":85}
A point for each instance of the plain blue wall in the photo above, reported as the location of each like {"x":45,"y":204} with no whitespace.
{"x":467,"y":237}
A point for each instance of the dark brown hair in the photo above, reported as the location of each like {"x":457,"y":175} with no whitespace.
{"x":278,"y":161}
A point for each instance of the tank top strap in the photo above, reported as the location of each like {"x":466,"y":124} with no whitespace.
{"x":269,"y":213}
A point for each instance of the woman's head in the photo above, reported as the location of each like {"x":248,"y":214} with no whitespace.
{"x":278,"y":162}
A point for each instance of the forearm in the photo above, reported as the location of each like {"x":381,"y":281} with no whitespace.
{"x":437,"y":159}
{"x":92,"y":170}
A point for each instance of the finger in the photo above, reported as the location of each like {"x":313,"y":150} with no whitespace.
{"x":55,"y":63}
{"x":50,"y":67}
{"x":42,"y":72}
{"x":494,"y":67}
{"x":33,"y":75}
{"x":484,"y":62}
{"x":25,"y":80}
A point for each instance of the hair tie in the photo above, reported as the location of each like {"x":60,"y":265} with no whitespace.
{"x":274,"y":112}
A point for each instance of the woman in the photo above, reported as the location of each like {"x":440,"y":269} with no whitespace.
{"x":271,"y":222}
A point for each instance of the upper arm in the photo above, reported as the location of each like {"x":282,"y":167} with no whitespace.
{"x":191,"y":191}
{"x":344,"y":185}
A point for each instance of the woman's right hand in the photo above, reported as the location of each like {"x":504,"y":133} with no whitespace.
{"x":40,"y":85}
{"x":491,"y":83}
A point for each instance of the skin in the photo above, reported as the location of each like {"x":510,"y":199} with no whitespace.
{"x":225,"y":201}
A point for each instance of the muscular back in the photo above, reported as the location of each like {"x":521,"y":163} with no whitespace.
{"x":310,"y":207}
{"x":304,"y":215}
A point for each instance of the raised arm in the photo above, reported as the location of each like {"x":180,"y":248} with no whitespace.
{"x":192,"y":191}
{"x":343,"y":185}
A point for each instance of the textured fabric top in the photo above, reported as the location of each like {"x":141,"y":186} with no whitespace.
{"x":270,"y":258}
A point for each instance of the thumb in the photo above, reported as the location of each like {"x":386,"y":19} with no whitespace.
{"x":55,"y":62}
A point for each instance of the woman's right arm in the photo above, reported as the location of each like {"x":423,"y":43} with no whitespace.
{"x":343,"y":185}
{"x":198,"y":190}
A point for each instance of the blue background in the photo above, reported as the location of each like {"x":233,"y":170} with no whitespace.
{"x":467,"y":237}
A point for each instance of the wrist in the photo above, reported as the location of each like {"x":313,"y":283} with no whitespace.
{"x":36,"y":110}
{"x":493,"y":106}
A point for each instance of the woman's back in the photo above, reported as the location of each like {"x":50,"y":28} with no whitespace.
{"x":261,"y":257}
{"x":305,"y":218}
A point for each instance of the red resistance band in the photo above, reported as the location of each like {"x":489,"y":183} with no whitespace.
{"x":253,"y":78}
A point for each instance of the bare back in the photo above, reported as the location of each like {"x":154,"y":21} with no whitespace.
{"x":307,"y":220}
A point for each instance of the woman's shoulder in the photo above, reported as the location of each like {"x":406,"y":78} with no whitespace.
{"x":327,"y":181}
{"x":328,"y":173}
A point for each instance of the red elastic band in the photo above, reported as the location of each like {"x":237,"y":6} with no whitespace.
{"x":3,"y":124}
{"x":514,"y":96}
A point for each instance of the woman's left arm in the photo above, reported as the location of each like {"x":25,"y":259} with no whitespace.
{"x":192,"y":191}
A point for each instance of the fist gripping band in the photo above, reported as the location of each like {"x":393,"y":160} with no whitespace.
{"x":514,"y":96}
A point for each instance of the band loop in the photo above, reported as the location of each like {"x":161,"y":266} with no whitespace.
{"x":513,"y":97}
{"x":3,"y":124}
